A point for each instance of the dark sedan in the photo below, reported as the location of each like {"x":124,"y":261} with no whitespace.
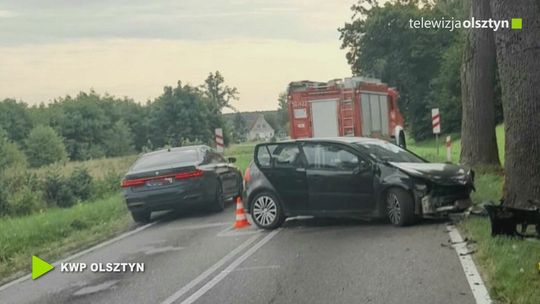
{"x":350,"y":176}
{"x":173,"y":178}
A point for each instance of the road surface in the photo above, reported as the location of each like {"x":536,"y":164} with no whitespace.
{"x":198,"y":258}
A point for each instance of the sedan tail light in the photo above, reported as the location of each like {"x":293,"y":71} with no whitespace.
{"x":133,"y":182}
{"x":178,"y":176}
{"x":184,"y":175}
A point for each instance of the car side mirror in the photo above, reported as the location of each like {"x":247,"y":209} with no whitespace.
{"x":363,"y":166}
{"x":231,"y":160}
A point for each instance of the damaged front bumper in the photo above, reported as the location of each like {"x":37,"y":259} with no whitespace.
{"x":430,"y":205}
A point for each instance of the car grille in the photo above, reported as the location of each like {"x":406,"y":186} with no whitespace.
{"x":457,"y":191}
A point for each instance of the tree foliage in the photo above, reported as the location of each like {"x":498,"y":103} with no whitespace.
{"x":44,"y":146}
{"x":220,"y":95}
{"x":15,"y":119}
{"x":180,"y":114}
{"x":381,"y":44}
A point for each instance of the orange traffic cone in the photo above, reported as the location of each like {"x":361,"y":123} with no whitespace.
{"x":241,"y":220}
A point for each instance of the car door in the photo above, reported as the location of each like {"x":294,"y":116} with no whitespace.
{"x":339,"y":179}
{"x":283,"y":166}
{"x":227,"y":174}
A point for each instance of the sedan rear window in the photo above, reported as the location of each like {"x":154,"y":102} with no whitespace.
{"x":385,"y":151}
{"x":161,"y":159}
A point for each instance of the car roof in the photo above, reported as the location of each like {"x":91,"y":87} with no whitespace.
{"x":341,"y":139}
{"x":178,"y":149}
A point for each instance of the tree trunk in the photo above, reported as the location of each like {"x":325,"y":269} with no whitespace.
{"x":478,"y":140}
{"x":518,"y":58}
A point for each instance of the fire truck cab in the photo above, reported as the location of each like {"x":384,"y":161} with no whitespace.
{"x":354,"y":106}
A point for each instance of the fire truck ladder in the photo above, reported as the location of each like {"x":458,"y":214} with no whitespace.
{"x":347,"y":116}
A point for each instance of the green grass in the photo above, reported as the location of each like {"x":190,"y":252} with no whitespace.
{"x":428,"y":148}
{"x":98,"y":168}
{"x":243,"y":153}
{"x":509,"y":266}
{"x":55,"y":233}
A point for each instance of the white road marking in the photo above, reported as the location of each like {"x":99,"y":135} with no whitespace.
{"x":209,"y":271}
{"x":478,"y":288}
{"x":256,"y":268}
{"x":81,"y":253}
{"x":200,"y":226}
{"x":205,"y":288}
{"x":231,"y":231}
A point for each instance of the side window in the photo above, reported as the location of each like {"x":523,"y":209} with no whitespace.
{"x":263,"y":157}
{"x":330,"y":157}
{"x":278,"y":156}
{"x":286,"y":156}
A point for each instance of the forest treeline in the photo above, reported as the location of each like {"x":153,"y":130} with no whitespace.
{"x":91,"y":125}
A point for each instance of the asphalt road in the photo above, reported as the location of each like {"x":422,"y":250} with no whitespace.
{"x":198,"y":258}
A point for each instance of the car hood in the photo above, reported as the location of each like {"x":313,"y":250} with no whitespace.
{"x":449,"y":174}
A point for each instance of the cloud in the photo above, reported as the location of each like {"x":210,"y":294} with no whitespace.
{"x":137,"y":68}
{"x":7,"y":14}
{"x":46,"y":21}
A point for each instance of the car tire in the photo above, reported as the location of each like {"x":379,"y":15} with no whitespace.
{"x":266,"y":211}
{"x":400,"y":207}
{"x":218,"y":203}
{"x":141,"y":216}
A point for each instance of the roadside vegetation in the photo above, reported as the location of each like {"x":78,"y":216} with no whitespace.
{"x":58,"y":232}
{"x":78,"y":221}
{"x":509,"y":266}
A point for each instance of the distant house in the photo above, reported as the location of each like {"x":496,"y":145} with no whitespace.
{"x":260,"y":129}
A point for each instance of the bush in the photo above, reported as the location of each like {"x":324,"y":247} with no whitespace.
{"x":19,"y":192}
{"x":80,"y":183}
{"x":110,"y":183}
{"x":44,"y":146}
{"x":23,"y":202}
{"x":10,"y":154}
{"x":57,"y":189}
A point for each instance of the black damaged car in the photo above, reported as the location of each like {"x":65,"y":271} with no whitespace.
{"x":352,"y":177}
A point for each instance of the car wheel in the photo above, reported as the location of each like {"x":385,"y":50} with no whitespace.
{"x":266,"y":211}
{"x":400,"y":207}
{"x":218,"y":203}
{"x":141,"y":216}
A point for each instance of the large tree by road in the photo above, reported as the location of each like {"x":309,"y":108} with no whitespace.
{"x":518,"y":53}
{"x":478,"y":140}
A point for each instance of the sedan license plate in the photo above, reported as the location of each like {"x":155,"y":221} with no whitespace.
{"x":159,"y":182}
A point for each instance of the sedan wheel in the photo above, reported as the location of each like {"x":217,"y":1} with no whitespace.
{"x":394,"y":212}
{"x":266,"y":212}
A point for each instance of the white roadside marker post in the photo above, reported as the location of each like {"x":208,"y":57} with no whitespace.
{"x":448,"y":149}
{"x":220,"y":145}
{"x":436,"y":126}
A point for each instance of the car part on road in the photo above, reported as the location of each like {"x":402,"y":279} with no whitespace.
{"x":400,"y":206}
{"x":266,"y":211}
{"x":504,"y":220}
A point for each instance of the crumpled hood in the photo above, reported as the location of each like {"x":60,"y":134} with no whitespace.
{"x":448,"y":174}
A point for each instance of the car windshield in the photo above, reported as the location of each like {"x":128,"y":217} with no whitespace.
{"x":161,"y":159}
{"x":385,"y":151}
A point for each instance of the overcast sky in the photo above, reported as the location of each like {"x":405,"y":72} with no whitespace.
{"x":50,"y":48}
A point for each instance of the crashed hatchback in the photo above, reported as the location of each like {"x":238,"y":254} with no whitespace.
{"x":352,"y":177}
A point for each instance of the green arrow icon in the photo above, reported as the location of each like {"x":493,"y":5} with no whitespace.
{"x":40,"y":267}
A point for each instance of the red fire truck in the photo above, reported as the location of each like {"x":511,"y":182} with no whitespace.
{"x":354,"y":106}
